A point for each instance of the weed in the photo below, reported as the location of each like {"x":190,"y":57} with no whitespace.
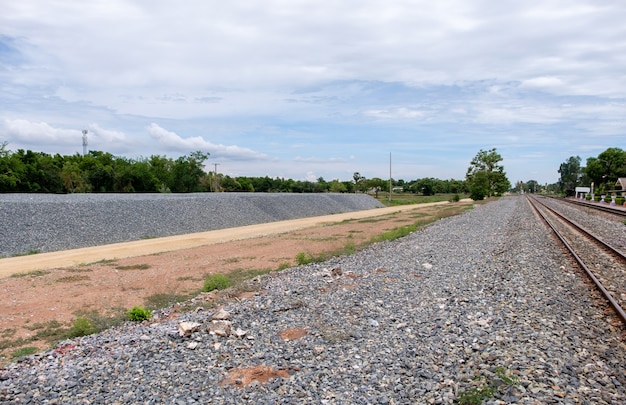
{"x":23,"y":351}
{"x":164,"y":300}
{"x":8,"y":332}
{"x":79,"y":270}
{"x":216,"y":281}
{"x":107,"y":262}
{"x":71,"y":279}
{"x":476,"y":395}
{"x":139,"y":314}
{"x":490,"y":386}
{"x":303,"y":258}
{"x":395,"y":233}
{"x":27,"y":253}
{"x":82,"y":327}
{"x":134,"y":267}
{"x":284,"y":266}
{"x":34,"y":273}
{"x":186,"y":278}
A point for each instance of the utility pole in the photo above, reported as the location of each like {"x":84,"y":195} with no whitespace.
{"x":215,"y":176}
{"x":389,"y":176}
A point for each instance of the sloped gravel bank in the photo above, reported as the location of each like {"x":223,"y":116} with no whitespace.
{"x":45,"y":222}
{"x":482,"y":299}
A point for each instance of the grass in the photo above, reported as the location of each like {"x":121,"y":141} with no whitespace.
{"x":28,"y":253}
{"x":489,"y":385}
{"x":34,"y":273}
{"x":165,"y":300}
{"x":139,"y":314}
{"x":23,"y":351}
{"x":409,"y":198}
{"x":71,"y":279}
{"x":134,"y":267}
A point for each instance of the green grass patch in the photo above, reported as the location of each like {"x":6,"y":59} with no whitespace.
{"x":139,"y":314}
{"x":23,"y":351}
{"x":79,"y":270}
{"x":395,"y":233}
{"x":488,"y":386}
{"x":34,"y":273}
{"x":82,"y":327}
{"x":165,"y":300}
{"x":71,"y":279}
{"x":28,"y":253}
{"x":410,"y":198}
{"x":134,"y":267}
{"x":106,"y":262}
{"x":216,"y":282}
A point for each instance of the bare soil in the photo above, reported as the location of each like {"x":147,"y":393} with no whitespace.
{"x":55,"y":295}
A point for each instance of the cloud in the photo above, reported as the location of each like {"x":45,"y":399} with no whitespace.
{"x":172,"y":141}
{"x":38,"y":133}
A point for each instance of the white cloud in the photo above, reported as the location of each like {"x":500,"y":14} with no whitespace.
{"x":262,"y":78}
{"x":172,"y":141}
{"x":38,"y":133}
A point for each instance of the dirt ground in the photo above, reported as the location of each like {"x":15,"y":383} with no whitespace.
{"x":50,"y":290}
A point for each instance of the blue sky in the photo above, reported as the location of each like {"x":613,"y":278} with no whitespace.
{"x":308,"y":89}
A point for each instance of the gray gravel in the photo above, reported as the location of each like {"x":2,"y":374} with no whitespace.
{"x":470,"y":300}
{"x":48,"y":222}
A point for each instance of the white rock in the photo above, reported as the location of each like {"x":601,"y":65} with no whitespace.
{"x":238,"y":333}
{"x":220,"y":328}
{"x":221,"y":315}
{"x":185,"y":329}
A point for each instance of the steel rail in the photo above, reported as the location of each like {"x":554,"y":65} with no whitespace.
{"x":618,"y":309}
{"x":594,"y":206}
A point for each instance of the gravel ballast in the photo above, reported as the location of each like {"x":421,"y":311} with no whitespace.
{"x":45,"y":222}
{"x":484,"y":299}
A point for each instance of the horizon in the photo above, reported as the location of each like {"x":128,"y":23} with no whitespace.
{"x":301,"y":91}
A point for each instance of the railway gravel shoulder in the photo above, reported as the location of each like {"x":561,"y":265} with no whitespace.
{"x":423,"y":319}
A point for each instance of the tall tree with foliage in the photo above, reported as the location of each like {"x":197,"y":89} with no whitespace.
{"x":485,"y":175}
{"x":606,"y":168}
{"x":570,"y":172}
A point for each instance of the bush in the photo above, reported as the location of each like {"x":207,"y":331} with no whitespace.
{"x":455,"y":198}
{"x":608,"y":199}
{"x":620,"y":200}
{"x":82,"y":327}
{"x":303,"y":258}
{"x":588,"y":197}
{"x":139,"y":314}
{"x":478,"y":193}
{"x":596,"y":198}
{"x":216,"y":282}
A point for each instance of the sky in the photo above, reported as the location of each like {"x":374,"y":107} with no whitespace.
{"x":307,"y":89}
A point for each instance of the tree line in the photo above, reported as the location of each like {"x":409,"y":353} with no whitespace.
{"x":601,"y":171}
{"x":26,"y":171}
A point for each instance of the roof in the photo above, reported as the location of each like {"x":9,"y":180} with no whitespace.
{"x":621,"y":182}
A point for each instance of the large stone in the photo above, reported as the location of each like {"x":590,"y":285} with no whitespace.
{"x":220,"y":328}
{"x":185,"y":329}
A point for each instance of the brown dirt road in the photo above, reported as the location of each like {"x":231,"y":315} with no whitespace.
{"x":50,"y":289}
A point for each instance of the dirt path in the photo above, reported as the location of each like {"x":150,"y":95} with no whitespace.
{"x":47,"y":291}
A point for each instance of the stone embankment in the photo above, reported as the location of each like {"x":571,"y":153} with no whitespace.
{"x":45,"y":223}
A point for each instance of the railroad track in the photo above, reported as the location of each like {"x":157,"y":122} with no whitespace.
{"x":621,"y":212}
{"x":604,"y":264}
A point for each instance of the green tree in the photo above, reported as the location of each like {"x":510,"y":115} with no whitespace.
{"x":606,"y":168}
{"x":358,"y":181}
{"x":485,"y":176}
{"x":187,"y":172}
{"x":570,"y":172}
